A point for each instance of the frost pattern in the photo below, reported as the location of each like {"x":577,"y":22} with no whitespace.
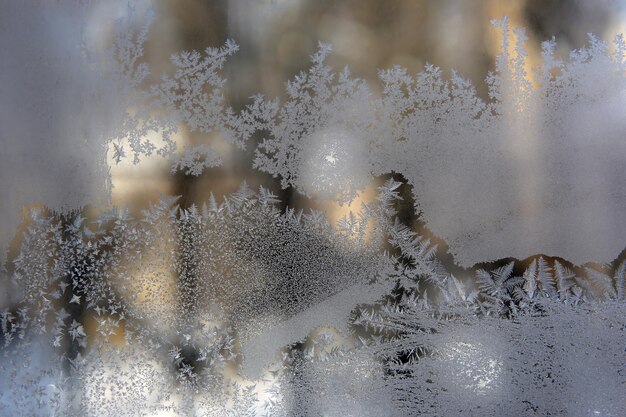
{"x":55,"y":113}
{"x":68,"y":101}
{"x":548,"y":358}
{"x":241,"y":261}
{"x":317,"y":140}
{"x":521,"y":162}
{"x":542,"y":163}
{"x":239,"y":308}
{"x":180,"y":296}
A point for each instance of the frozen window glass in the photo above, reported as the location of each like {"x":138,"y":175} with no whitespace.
{"x":312,"y":208}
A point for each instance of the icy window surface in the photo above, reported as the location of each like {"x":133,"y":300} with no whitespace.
{"x":242,"y":305}
{"x":542,"y":163}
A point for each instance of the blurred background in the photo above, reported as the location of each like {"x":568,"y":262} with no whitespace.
{"x":277,"y":38}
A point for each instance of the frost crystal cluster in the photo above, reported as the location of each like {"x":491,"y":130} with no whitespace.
{"x":544,"y":164}
{"x":243,"y":307}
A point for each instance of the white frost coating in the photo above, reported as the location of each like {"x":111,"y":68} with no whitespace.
{"x":70,"y":95}
{"x":273,"y":276}
{"x":333,"y":163}
{"x":317,"y":140}
{"x":29,"y":370}
{"x":533,"y":170}
{"x":334,"y":311}
{"x":244,"y":270}
{"x":543,"y":164}
{"x":564,"y":362}
{"x":556,"y":181}
{"x":123,"y":382}
{"x":64,"y":99}
{"x":529,"y":345}
{"x":54,"y":114}
{"x":536,"y":170}
{"x":336,"y":385}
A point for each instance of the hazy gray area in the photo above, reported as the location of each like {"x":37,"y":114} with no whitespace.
{"x":250,"y":208}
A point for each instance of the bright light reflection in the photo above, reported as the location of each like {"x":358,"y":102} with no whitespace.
{"x":334,"y":164}
{"x":473,"y":367}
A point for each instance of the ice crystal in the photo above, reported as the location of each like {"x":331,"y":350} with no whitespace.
{"x":67,"y":101}
{"x":521,"y":162}
{"x":241,"y":307}
{"x":242,"y":261}
{"x":450,"y":364}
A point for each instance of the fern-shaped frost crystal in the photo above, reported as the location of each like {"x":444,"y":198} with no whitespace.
{"x":242,"y":307}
